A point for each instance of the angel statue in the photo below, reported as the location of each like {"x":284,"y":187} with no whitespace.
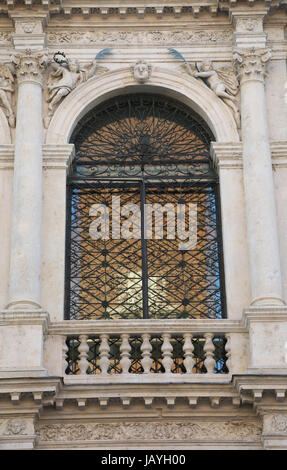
{"x":222,"y":81}
{"x":66,"y":74}
{"x":6,"y":88}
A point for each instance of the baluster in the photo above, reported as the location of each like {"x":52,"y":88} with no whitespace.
{"x":167,"y":353}
{"x":65,"y":350}
{"x":209,"y":350}
{"x":188,"y":353}
{"x":146,"y":349}
{"x":228,"y":351}
{"x":125,"y":349}
{"x":104,"y":350}
{"x":83,"y":350}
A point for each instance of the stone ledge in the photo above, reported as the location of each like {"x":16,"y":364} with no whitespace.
{"x":72,"y":327}
{"x":24,"y":317}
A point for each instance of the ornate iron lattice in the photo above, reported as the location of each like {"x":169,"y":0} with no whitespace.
{"x":142,"y":150}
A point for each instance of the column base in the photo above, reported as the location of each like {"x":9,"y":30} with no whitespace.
{"x":21,"y":338}
{"x":267,"y":301}
{"x":267,"y":326}
{"x":23,"y":305}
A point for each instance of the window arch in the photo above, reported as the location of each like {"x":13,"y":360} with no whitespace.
{"x":143,"y":221}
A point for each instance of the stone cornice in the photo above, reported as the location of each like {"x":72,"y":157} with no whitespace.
{"x":125,"y":8}
{"x":265,"y":392}
{"x":229,"y":155}
{"x":225,"y":155}
{"x":57,"y":156}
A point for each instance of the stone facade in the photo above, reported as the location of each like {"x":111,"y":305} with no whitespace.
{"x":60,"y":59}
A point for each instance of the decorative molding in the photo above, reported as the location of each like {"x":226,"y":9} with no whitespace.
{"x":76,"y":327}
{"x":113,"y":7}
{"x":25,"y":317}
{"x":57,"y":156}
{"x":275,"y":424}
{"x":7,"y":157}
{"x":227,"y":155}
{"x":170,"y":83}
{"x":13,"y":426}
{"x":235,"y":430}
{"x":264,"y":314}
{"x":250,"y":63}
{"x":279,"y":154}
{"x":160,"y":37}
{"x":29,"y":66}
{"x":5,"y":38}
{"x":249,"y":24}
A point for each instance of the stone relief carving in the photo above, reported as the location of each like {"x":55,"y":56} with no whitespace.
{"x":224,"y":84}
{"x":65,"y":75}
{"x":233,"y":430}
{"x":28,"y":27}
{"x":5,"y":37}
{"x":249,"y":24}
{"x":139,"y":37}
{"x":141,"y":71}
{"x":222,"y":81}
{"x":13,"y":426}
{"x":6,"y":90}
{"x":16,"y":426}
{"x":275,"y":424}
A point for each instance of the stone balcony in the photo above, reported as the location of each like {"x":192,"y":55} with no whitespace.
{"x":146,"y":351}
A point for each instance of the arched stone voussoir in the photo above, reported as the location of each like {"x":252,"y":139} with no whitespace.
{"x":180,"y":86}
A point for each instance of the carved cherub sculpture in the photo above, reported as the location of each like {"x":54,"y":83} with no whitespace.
{"x":65,"y":75}
{"x":6,"y":89}
{"x":142,"y":71}
{"x":222,"y":81}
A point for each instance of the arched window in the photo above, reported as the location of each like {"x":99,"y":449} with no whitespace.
{"x":143,"y":222}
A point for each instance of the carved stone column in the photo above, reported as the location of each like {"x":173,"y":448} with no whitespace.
{"x":266,"y":288}
{"x":25,"y":262}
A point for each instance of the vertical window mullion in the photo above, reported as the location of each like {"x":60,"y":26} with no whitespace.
{"x":144,"y":252}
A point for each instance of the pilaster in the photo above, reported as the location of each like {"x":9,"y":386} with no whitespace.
{"x":23,"y":323}
{"x":266,"y":317}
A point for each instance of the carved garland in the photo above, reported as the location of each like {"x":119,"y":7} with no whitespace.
{"x":215,"y":431}
{"x":139,"y":37}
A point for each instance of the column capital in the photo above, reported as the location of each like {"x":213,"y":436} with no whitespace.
{"x":250,"y":63}
{"x":29,"y":65}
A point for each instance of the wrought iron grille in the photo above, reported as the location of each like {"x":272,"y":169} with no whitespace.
{"x":142,"y":150}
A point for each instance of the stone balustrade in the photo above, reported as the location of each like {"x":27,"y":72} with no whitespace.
{"x":144,"y":352}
